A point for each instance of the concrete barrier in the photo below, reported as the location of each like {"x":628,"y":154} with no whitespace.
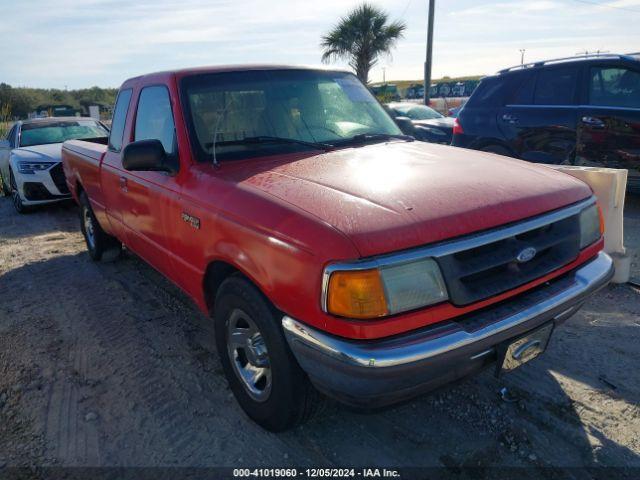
{"x":609,"y":186}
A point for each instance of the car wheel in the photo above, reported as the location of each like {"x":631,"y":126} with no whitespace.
{"x":498,"y":149}
{"x":4,"y":188}
{"x":97,"y":240}
{"x":261,"y":370}
{"x":15,"y":196}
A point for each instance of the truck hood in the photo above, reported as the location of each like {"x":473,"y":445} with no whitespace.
{"x":398,"y":195}
{"x":40,"y":153}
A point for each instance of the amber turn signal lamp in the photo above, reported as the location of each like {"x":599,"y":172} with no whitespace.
{"x":356,"y":294}
{"x":601,"y":216}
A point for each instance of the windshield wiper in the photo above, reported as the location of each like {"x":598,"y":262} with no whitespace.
{"x":270,"y":139}
{"x":363,"y":138}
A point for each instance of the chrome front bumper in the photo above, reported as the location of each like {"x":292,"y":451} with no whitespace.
{"x":379,"y":372}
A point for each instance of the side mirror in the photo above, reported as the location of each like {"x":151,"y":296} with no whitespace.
{"x":405,"y":125}
{"x":147,"y":156}
{"x":5,"y":144}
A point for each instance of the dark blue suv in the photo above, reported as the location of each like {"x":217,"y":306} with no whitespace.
{"x":578,"y":111}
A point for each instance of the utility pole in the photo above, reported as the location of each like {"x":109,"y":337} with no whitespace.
{"x":384,"y":75}
{"x":427,"y":63}
{"x":522,"y":50}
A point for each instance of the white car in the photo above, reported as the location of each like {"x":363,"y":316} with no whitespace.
{"x":30,"y":158}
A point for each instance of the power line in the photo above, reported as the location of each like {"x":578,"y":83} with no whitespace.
{"x":606,"y":5}
{"x":405,"y":9}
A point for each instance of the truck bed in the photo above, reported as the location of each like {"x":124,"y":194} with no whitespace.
{"x":81,"y":161}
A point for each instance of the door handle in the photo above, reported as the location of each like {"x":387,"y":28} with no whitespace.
{"x":512,"y":119}
{"x":123,"y":184}
{"x":593,"y":122}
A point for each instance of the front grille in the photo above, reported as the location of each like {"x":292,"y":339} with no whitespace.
{"x":37,"y":191}
{"x":490,"y":269}
{"x":57,"y":175}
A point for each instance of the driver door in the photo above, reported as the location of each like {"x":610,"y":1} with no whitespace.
{"x":151,"y":199}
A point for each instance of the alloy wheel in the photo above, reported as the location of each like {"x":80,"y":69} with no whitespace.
{"x":248,"y":354}
{"x":15,"y":194}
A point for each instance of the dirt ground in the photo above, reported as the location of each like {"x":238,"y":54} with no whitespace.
{"x":108,"y":364}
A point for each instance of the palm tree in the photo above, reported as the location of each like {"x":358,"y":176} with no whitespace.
{"x":361,"y":38}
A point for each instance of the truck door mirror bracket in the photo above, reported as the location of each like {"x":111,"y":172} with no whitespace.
{"x":148,"y":156}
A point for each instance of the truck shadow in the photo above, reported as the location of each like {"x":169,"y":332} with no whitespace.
{"x":550,"y":427}
{"x":132,"y":348}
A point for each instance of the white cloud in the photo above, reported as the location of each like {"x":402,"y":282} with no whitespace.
{"x":53,"y":43}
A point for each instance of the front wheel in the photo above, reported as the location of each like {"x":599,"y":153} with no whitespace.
{"x":15,"y":196}
{"x":97,"y":240}
{"x":4,"y":188}
{"x":262,"y":372}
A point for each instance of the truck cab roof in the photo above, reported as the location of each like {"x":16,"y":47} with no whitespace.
{"x":186,"y":72}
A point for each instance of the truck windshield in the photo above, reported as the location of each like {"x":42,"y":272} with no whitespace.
{"x":304,"y":107}
{"x":43,"y":133}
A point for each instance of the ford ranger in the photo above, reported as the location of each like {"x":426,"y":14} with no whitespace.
{"x":333,"y":253}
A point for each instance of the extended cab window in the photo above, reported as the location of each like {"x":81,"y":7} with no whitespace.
{"x":119,"y":118}
{"x":614,"y":87}
{"x":154,"y":120}
{"x":556,"y":86}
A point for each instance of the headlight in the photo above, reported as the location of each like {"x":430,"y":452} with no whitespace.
{"x":385,"y":290}
{"x":591,"y":225}
{"x":32,"y":167}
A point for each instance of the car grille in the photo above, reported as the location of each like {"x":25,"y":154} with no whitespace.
{"x":57,"y":175}
{"x":37,"y":191}
{"x":490,"y":269}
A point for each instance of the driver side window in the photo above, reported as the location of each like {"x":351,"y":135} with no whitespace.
{"x":154,"y":120}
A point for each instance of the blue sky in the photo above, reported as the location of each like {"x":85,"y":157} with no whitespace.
{"x":80,"y":43}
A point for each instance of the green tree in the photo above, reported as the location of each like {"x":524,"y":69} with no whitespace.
{"x":25,"y":100}
{"x":361,"y":38}
{"x":18,"y":99}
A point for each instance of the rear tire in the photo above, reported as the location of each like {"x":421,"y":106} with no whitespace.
{"x":5,"y":189}
{"x":97,"y":240}
{"x":251,"y":345}
{"x":497,"y":149}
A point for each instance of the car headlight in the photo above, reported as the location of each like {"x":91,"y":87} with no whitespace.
{"x":32,"y":167}
{"x":591,"y":225}
{"x":384,"y":290}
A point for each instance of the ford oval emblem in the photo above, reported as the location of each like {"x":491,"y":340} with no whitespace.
{"x":526,"y":255}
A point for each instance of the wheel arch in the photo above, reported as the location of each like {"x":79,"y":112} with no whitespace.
{"x":217,"y":271}
{"x":78,"y":188}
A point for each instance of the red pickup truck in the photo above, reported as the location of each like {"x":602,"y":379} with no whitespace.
{"x":333,"y":253}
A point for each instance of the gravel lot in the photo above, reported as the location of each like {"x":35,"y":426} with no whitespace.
{"x":108,"y":364}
